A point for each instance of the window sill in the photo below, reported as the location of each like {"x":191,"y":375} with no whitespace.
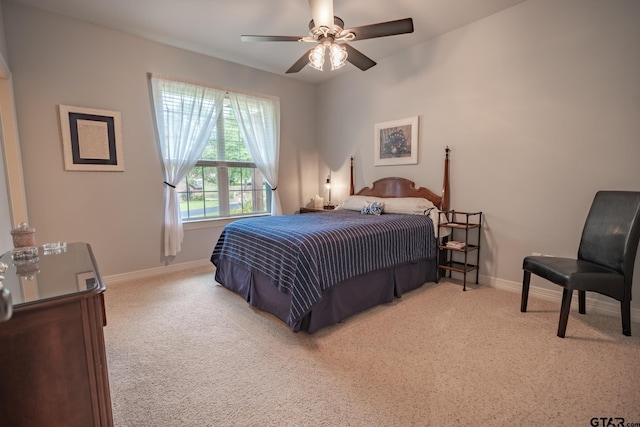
{"x":215,"y":222}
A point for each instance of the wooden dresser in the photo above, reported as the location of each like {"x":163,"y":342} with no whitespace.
{"x":53,"y":367}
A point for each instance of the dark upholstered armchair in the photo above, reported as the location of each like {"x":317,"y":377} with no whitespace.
{"x":605,"y":261}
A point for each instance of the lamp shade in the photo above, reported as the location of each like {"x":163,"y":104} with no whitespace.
{"x":337,"y":55}
{"x":316,"y":57}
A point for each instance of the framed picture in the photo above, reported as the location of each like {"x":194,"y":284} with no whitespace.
{"x":91,"y":139}
{"x":396,"y":142}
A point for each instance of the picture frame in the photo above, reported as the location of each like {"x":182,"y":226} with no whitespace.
{"x":91,"y":139}
{"x":396,"y":142}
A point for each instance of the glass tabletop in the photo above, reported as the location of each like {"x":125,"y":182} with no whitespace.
{"x":46,"y":273}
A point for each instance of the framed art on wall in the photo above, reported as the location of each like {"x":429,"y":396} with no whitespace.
{"x":91,"y":139}
{"x":396,"y":142}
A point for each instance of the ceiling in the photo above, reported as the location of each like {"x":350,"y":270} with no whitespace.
{"x":214,"y":27}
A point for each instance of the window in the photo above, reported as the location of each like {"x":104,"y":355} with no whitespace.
{"x":225,"y":181}
{"x":218,"y":149}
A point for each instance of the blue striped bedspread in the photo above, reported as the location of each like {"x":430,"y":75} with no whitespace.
{"x":305,"y":254}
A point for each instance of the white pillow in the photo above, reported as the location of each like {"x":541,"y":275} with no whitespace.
{"x":407,"y":205}
{"x":398,"y":205}
{"x":356,"y":203}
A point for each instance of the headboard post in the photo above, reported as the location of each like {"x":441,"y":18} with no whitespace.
{"x":445,"y":181}
{"x":352,"y":189}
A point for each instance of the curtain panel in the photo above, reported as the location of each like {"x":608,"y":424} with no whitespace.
{"x":185,"y":117}
{"x":259,"y":123}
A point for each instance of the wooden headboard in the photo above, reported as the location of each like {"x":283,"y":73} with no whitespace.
{"x":402,"y":187}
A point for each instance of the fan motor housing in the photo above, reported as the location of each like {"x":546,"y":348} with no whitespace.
{"x":338,"y":26}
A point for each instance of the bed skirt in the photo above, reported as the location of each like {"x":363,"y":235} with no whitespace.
{"x":341,"y":301}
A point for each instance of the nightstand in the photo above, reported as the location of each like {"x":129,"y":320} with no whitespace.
{"x":312,"y":210}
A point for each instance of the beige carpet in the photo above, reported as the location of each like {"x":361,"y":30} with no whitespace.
{"x":183,"y":351}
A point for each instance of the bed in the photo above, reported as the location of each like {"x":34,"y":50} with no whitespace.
{"x":314,"y":270}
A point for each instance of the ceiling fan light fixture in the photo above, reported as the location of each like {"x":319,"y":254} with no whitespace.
{"x":338,"y":56}
{"x":326,"y":29}
{"x":316,"y":57}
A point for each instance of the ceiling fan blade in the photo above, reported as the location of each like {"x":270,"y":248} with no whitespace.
{"x":300,"y":63}
{"x":358,"y":58}
{"x":271,"y":38}
{"x":382,"y":29}
{"x":322,"y":12}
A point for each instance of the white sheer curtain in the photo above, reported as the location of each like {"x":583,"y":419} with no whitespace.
{"x":259,"y":123}
{"x":185,"y":116}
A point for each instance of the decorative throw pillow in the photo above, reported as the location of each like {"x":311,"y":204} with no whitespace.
{"x":373,"y":208}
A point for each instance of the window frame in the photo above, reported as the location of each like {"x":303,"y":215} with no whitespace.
{"x":224,"y":192}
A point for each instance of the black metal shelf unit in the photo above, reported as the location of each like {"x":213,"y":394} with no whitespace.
{"x":465,"y":253}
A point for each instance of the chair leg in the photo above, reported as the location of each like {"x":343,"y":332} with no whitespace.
{"x":582,"y":302}
{"x":564,"y":311}
{"x":525,"y":290}
{"x":626,"y":317}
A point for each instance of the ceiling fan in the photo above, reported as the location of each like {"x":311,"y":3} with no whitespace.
{"x":328,"y":33}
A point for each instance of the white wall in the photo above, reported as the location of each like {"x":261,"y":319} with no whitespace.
{"x":56,"y":60}
{"x":540,"y":104}
{"x":6,"y":242}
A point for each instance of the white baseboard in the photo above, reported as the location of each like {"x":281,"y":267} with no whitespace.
{"x":151,"y":272}
{"x":603,"y":307}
